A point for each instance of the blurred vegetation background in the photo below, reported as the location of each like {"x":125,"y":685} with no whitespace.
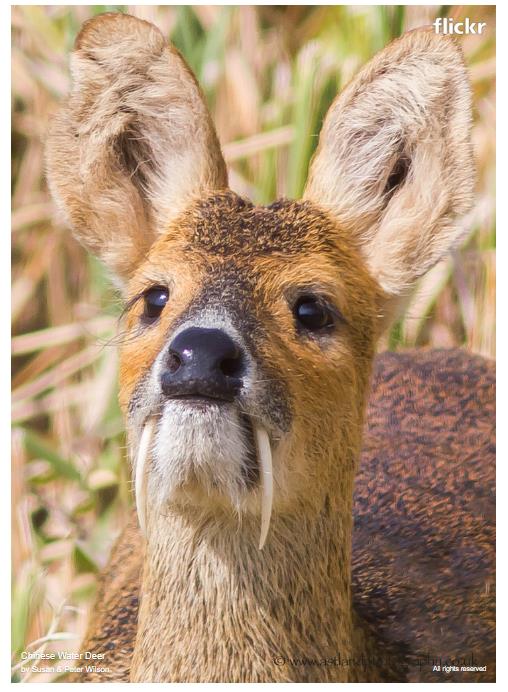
{"x":269,"y":73}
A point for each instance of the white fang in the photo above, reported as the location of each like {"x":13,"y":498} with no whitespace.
{"x":141,"y":476}
{"x":265,"y":463}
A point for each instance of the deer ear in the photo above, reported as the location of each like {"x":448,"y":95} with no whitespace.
{"x":133,"y":143}
{"x":394,"y":161}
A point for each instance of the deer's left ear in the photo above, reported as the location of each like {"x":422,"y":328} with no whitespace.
{"x":394,"y":163}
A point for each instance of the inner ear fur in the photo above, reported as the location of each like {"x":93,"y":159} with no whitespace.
{"x":394,"y":163}
{"x":134,"y":142}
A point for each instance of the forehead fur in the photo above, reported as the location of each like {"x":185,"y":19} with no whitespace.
{"x":225,"y":224}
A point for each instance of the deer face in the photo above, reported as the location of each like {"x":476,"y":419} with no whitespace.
{"x":240,"y":317}
{"x":249,"y":331}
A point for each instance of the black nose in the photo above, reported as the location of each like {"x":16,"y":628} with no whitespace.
{"x":203,"y":363}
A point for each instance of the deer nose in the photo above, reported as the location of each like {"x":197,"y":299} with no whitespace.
{"x":203,"y":363}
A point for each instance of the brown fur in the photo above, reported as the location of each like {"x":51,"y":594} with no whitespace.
{"x":424,"y":538}
{"x":134,"y":163}
{"x":423,"y":544}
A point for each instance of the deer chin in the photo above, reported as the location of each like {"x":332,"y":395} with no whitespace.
{"x":204,"y":452}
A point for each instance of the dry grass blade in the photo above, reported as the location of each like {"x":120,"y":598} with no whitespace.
{"x":280,"y":137}
{"x":31,"y":214}
{"x":56,"y":375}
{"x":57,"y":336}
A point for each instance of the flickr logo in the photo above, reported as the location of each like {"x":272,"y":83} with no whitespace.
{"x":447,"y":25}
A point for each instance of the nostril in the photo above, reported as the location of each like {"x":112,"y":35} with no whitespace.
{"x":231,"y":367}
{"x":174,"y":362}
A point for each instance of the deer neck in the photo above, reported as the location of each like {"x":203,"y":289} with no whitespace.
{"x":215,"y":608}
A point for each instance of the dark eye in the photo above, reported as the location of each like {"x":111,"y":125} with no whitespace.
{"x":311,"y":314}
{"x":155,"y":300}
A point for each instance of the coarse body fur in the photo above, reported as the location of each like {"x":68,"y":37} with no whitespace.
{"x":423,"y":580}
{"x":135,"y":165}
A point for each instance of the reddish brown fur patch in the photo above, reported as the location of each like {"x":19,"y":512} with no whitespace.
{"x":424,"y":539}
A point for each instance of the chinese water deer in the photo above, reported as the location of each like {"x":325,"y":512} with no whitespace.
{"x":249,"y":339}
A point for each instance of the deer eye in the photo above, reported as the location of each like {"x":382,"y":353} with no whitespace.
{"x":155,"y":300}
{"x":311,"y":314}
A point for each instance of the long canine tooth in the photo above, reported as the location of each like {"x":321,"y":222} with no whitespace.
{"x":265,"y":463}
{"x":141,"y":475}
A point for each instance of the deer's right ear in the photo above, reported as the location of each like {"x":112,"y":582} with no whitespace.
{"x":133,"y":143}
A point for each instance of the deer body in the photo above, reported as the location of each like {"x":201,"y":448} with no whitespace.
{"x":245,"y":374}
{"x":418,"y":529}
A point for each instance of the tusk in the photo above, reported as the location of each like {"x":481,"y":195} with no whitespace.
{"x":140,"y":471}
{"x":265,"y":463}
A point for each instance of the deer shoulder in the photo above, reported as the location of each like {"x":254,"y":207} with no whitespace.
{"x":423,"y":542}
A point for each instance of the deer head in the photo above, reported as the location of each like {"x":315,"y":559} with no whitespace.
{"x":249,"y":331}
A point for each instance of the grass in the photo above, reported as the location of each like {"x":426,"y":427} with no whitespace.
{"x":269,"y":74}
